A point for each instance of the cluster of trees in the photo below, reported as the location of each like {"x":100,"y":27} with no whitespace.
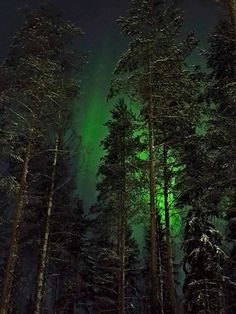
{"x":40,"y":217}
{"x":170,"y":152}
{"x":186,"y":125}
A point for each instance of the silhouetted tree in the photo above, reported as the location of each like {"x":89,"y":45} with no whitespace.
{"x":39,"y":63}
{"x":114,"y":238}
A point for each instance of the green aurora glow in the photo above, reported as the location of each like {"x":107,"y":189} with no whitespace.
{"x":93,"y":111}
{"x":91,"y":115}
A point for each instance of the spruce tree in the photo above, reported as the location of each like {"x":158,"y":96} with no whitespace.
{"x":205,"y":285}
{"x":69,"y":258}
{"x":221,"y":132}
{"x":115,"y":209}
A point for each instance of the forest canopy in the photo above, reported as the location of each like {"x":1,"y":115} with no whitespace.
{"x":161,"y":235}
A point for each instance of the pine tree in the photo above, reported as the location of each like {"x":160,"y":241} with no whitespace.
{"x":37,"y":58}
{"x":30,"y":230}
{"x":10,"y":165}
{"x":152,"y":73}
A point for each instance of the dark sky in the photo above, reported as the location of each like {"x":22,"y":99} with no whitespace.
{"x":97,"y":19}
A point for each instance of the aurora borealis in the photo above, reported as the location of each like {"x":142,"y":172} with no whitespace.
{"x":94,"y":110}
{"x":93,"y":105}
{"x":117,"y":186}
{"x":104,"y":44}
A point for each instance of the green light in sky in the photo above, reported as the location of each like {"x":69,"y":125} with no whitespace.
{"x":92,"y":113}
{"x":175,"y":217}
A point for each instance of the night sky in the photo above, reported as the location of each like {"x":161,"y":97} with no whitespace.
{"x":104,"y":44}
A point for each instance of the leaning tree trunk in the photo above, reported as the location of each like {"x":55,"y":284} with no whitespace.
{"x":13,"y":249}
{"x":170,"y":269}
{"x":45,"y":242}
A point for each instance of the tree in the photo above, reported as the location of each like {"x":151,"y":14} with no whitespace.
{"x":69,"y":266}
{"x":152,"y":73}
{"x":37,"y":57}
{"x":221,"y":131}
{"x":231,"y":7}
{"x":116,"y":174}
{"x":205,"y":285}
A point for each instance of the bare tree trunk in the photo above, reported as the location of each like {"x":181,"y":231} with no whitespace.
{"x":155,"y":263}
{"x":155,"y":254}
{"x":122,"y":281}
{"x":45,"y":243}
{"x":122,"y":229}
{"x":170,"y":269}
{"x":13,"y":249}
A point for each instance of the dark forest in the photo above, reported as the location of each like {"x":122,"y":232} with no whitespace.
{"x":118,"y":174}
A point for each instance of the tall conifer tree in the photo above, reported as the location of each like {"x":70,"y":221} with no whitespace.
{"x":152,"y":73}
{"x":116,"y":173}
{"x":38,"y":63}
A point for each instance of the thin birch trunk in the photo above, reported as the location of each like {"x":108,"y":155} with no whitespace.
{"x":13,"y":249}
{"x":45,"y":243}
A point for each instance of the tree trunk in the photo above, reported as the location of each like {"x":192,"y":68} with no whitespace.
{"x":45,"y":243}
{"x":122,"y":229}
{"x":13,"y":250}
{"x":170,"y":269}
{"x":122,"y":281}
{"x":155,"y":263}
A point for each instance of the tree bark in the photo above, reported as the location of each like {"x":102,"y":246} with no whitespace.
{"x":122,"y":281}
{"x":170,"y":269}
{"x":45,"y":243}
{"x":155,"y":259}
{"x":122,"y":229}
{"x":13,"y":250}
